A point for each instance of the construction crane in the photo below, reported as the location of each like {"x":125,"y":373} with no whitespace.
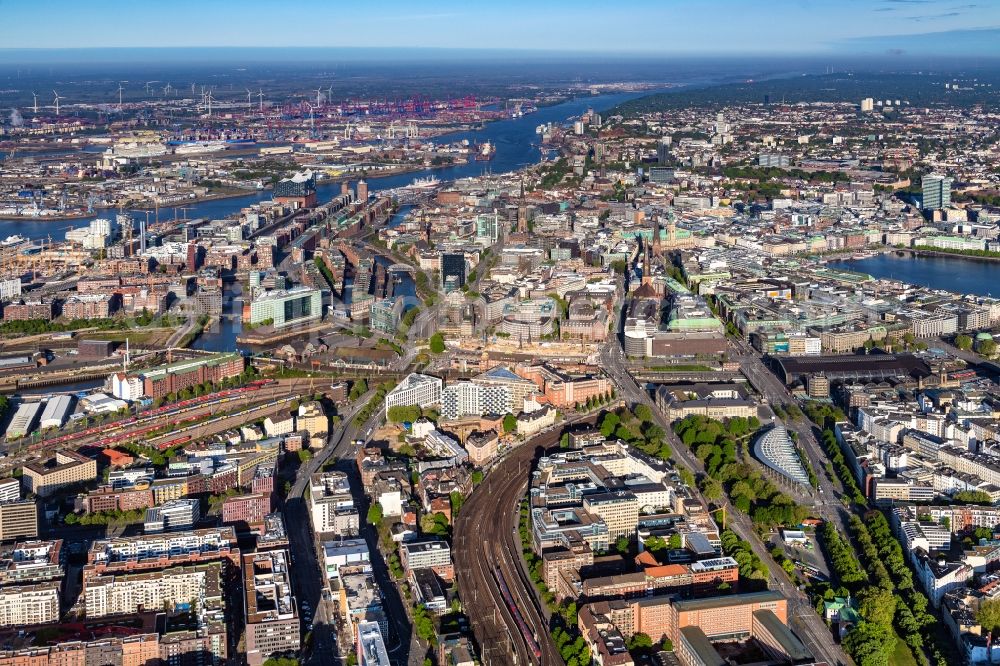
{"x":723,"y":510}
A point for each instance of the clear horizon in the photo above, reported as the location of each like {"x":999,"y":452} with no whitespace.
{"x":648,"y":28}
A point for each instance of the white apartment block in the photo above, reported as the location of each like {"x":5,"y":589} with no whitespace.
{"x":416,"y":389}
{"x":29,"y":604}
{"x":132,"y":593}
{"x":472,"y":399}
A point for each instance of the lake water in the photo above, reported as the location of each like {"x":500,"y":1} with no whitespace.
{"x":955,"y":274}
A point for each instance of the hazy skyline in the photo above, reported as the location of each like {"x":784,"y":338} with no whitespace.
{"x":697,"y":27}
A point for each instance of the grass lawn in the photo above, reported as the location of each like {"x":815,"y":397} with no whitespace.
{"x":141,"y":336}
{"x":902,"y":655}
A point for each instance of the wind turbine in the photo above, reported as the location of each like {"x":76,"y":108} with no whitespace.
{"x":35,"y":107}
{"x":210,"y":100}
{"x":310,"y":115}
{"x":329,"y":93}
{"x":120,"y":89}
{"x":319,"y":97}
{"x":249,"y":94}
{"x":57,"y":101}
{"x":260,"y":96}
{"x":166,"y":89}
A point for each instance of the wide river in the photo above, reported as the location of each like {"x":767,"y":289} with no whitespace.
{"x":516,"y":146}
{"x":956,"y":274}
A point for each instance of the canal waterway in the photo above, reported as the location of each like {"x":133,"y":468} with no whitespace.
{"x":517,"y":145}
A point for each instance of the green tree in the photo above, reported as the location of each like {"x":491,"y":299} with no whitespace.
{"x":972,"y":497}
{"x":404,"y":413}
{"x":305,"y":455}
{"x":640,"y":643}
{"x":711,"y":489}
{"x":437,"y":343}
{"x":963,"y":342}
{"x":655,"y":544}
{"x":877,"y":605}
{"x":375,"y":514}
{"x":643,"y":413}
{"x":509,"y":423}
{"x":609,"y":423}
{"x":622,"y":545}
{"x":988,"y":615}
{"x":457,"y":500}
{"x":988,"y":348}
{"x":870,"y":644}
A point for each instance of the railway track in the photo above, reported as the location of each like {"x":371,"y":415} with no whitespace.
{"x":487,"y":543}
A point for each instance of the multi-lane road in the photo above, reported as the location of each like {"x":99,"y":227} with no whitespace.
{"x":811,"y":629}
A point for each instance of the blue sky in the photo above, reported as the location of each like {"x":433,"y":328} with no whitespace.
{"x":697,"y":27}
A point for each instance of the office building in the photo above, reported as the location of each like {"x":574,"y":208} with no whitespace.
{"x":270,"y":611}
{"x":331,"y":505}
{"x":936,"y":191}
{"x":661,"y":175}
{"x":371,"y":646}
{"x":663,"y":149}
{"x":385,"y":314}
{"x":452,"y":270}
{"x":771,"y":160}
{"x":18,"y":520}
{"x":429,"y":554}
{"x":65,"y":469}
{"x":172,"y":516}
{"x":10,"y":490}
{"x":618,"y":509}
{"x":867,"y":105}
{"x":488,"y":228}
{"x":518,"y":387}
{"x":171,"y":378}
{"x":281,"y":308}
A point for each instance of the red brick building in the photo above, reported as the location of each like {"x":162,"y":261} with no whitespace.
{"x":175,"y":377}
{"x":246,"y":510}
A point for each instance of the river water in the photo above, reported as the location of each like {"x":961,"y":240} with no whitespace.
{"x":516,"y":146}
{"x":957,"y":274}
